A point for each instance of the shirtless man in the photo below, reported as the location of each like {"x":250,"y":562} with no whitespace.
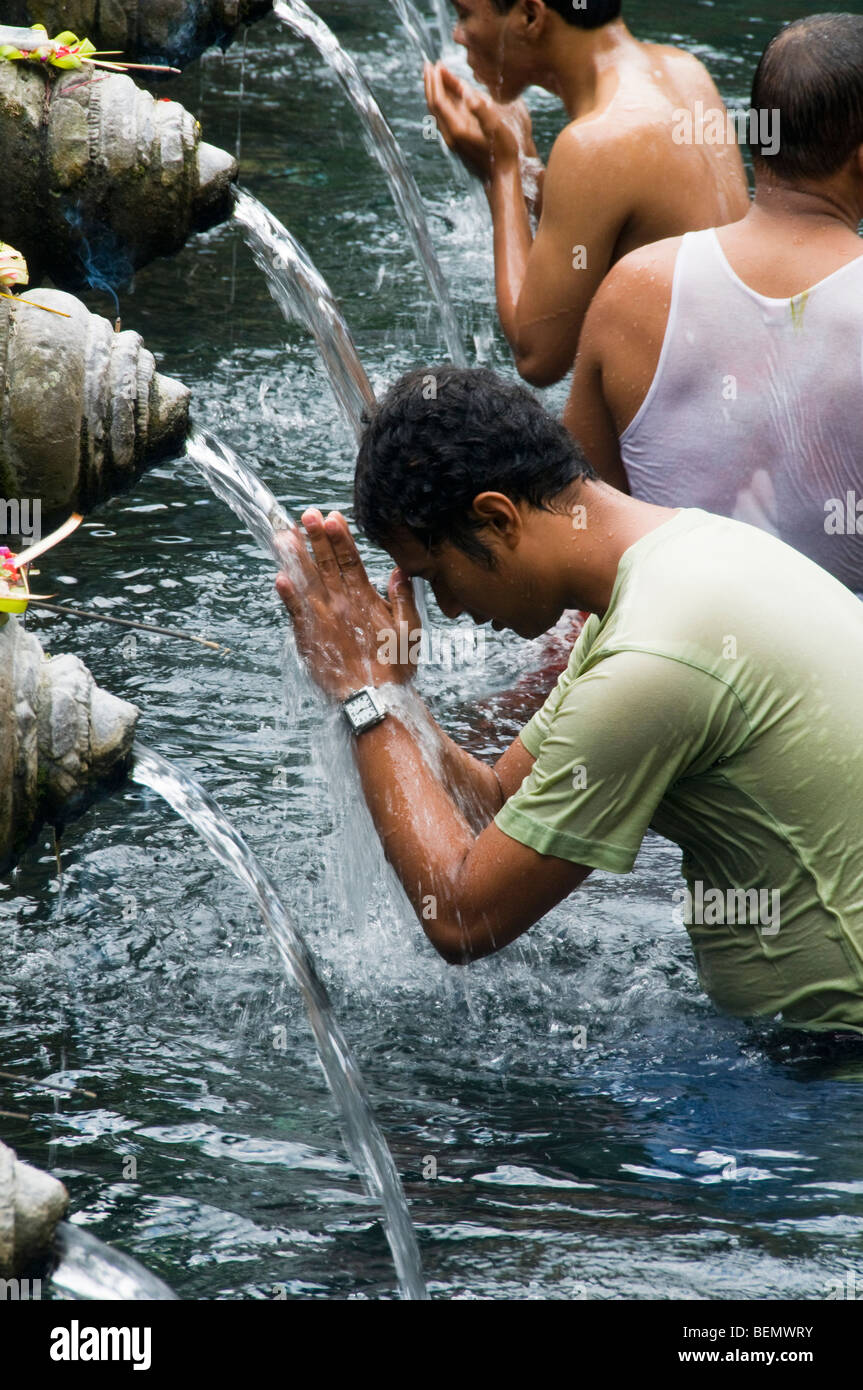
{"x":616,"y":177}
{"x":755,"y":409}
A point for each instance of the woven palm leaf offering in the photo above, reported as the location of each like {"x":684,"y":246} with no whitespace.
{"x":13,"y":271}
{"x":14,"y":588}
{"x":14,"y":569}
{"x":13,"y":267}
{"x":66,"y":51}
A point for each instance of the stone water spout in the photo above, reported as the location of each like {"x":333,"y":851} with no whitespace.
{"x":31,"y":1205}
{"x":82,"y":408}
{"x":146,"y":30}
{"x":104,"y":176}
{"x":34,"y":1239}
{"x":60,"y":735}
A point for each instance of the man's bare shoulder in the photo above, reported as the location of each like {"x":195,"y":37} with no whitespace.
{"x":635,"y":296}
{"x":583,"y":138}
{"x":684,"y":67}
{"x":635,"y":120}
{"x":648,"y":270}
{"x":670,"y":53}
{"x":593,"y":152}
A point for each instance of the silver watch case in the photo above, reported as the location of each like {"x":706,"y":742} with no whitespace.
{"x":364,"y":709}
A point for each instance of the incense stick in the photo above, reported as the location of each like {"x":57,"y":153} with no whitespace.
{"x":140,"y":67}
{"x":126,"y":622}
{"x":17,"y":299}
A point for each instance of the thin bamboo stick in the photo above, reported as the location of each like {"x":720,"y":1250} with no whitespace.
{"x":126,"y":622}
{"x":47,"y":1085}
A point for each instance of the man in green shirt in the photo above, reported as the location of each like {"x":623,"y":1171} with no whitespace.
{"x":713,"y":695}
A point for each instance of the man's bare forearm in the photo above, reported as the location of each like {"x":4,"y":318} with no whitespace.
{"x":472,"y":784}
{"x":473,"y":888}
{"x":513,"y":242}
{"x":533,"y":173}
{"x":425,"y":836}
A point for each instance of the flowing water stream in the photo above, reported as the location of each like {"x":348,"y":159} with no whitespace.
{"x":382,"y":146}
{"x":366,"y":1144}
{"x":445,"y":20}
{"x":240,"y":487}
{"x":415,"y":28}
{"x":302,"y":293}
{"x":86,"y":1268}
{"x":248,"y":497}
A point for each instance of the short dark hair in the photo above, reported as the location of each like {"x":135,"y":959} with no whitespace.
{"x":589,"y":14}
{"x":812,"y":73}
{"x":440,"y":436}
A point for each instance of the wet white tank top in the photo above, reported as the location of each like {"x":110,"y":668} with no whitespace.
{"x":756,"y":408}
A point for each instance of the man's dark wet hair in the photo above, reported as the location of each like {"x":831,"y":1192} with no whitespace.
{"x":440,"y":436}
{"x":812,"y":73}
{"x":590,"y":14}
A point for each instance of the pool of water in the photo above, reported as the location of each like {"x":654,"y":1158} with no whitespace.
{"x":570,"y":1119}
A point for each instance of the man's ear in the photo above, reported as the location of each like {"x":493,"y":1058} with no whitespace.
{"x":501,"y":515}
{"x":533,"y":18}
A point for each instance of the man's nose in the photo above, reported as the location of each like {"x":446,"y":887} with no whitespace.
{"x":446,"y":603}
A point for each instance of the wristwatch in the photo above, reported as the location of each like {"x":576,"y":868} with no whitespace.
{"x":364,"y":709}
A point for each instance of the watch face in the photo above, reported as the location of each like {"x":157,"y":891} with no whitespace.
{"x":362,"y":710}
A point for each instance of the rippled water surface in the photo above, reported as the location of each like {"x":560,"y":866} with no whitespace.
{"x":571,"y":1118}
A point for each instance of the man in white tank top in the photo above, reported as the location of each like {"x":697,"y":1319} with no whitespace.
{"x":724,"y":369}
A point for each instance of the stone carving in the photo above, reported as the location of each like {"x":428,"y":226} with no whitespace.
{"x":60,"y":734}
{"x":99,"y":176}
{"x":31,"y":1204}
{"x":82,"y":408}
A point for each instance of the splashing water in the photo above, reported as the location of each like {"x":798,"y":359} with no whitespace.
{"x":415,"y":27}
{"x":381,"y":143}
{"x":365,"y":1142}
{"x":240,"y":487}
{"x":421,"y":40}
{"x":89,"y":1269}
{"x":444,"y":20}
{"x":250,"y":499}
{"x":302,"y":293}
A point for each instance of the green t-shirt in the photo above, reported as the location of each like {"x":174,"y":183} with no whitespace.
{"x":720,"y":701}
